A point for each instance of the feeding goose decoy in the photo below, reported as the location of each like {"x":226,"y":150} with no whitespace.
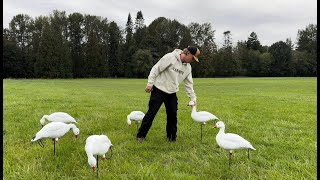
{"x":55,"y":130}
{"x":58,"y":117}
{"x":97,"y":145}
{"x":136,"y":116}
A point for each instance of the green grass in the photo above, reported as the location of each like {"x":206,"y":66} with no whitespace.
{"x":277,"y":115}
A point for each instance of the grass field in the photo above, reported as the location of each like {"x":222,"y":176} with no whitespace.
{"x":277,"y":115}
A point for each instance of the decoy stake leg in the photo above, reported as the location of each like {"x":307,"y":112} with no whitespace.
{"x":54,"y":146}
{"x":230,"y":155}
{"x":97,"y":167}
{"x":201,"y":133}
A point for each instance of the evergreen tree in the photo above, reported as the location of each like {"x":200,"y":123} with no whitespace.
{"x":76,"y":34}
{"x":128,"y":49}
{"x":140,"y":30}
{"x":114,"y":63}
{"x":129,"y":30}
{"x":44,"y":65}
{"x":105,"y":37}
{"x":253,"y":42}
{"x":226,"y":64}
{"x":307,"y":41}
{"x":203,"y":37}
{"x":61,"y":52}
{"x":265,"y":64}
{"x":281,"y":54}
{"x":21,"y":32}
{"x":11,"y":57}
{"x":143,"y":63}
{"x":94,"y":56}
{"x":241,"y":53}
{"x":300,"y":64}
{"x":37,"y":35}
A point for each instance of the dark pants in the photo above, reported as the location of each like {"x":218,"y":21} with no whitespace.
{"x":171,"y":103}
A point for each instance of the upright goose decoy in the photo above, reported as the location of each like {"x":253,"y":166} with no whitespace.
{"x":200,"y":117}
{"x":97,"y":145}
{"x":230,"y":141}
{"x":136,"y":116}
{"x":54,"y":130}
{"x":58,"y":117}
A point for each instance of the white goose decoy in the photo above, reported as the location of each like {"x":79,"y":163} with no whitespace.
{"x":58,"y":117}
{"x":200,"y":117}
{"x":136,"y":116}
{"x":54,"y":130}
{"x":230,"y":141}
{"x":97,"y":145}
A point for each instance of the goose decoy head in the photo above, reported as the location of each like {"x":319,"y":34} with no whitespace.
{"x":43,"y":120}
{"x":93,"y":163}
{"x":219,"y":124}
{"x":191,"y":103}
{"x":128,"y":120}
{"x":76,"y":132}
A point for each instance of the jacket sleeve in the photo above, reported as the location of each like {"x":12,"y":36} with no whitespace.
{"x":160,"y":66}
{"x":188,"y":82}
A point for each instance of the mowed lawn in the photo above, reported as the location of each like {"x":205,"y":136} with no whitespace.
{"x":277,"y":115}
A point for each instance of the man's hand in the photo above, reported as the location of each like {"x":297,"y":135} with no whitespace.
{"x":148,"y":88}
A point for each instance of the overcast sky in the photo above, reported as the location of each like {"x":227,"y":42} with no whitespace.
{"x":271,"y":20}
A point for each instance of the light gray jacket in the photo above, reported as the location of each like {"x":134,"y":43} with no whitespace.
{"x":169,"y":72}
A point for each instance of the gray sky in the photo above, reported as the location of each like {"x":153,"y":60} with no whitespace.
{"x":271,"y":20}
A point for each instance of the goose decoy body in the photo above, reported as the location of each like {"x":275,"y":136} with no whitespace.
{"x":58,"y":117}
{"x":97,"y":145}
{"x":230,"y":141}
{"x":136,"y":116}
{"x":55,"y":130}
{"x":201,"y":117}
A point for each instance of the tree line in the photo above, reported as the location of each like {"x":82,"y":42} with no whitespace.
{"x":87,"y":46}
